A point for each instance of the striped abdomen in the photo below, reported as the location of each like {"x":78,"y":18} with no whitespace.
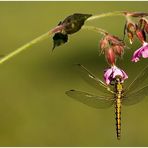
{"x":118,"y":115}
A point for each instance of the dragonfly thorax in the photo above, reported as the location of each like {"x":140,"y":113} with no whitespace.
{"x":118,"y":83}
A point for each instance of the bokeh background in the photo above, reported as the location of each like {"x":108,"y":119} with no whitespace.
{"x":34,"y":110}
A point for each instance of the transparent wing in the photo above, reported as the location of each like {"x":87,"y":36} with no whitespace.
{"x":91,"y":100}
{"x":135,"y":97}
{"x":94,"y":81}
{"x":138,"y":81}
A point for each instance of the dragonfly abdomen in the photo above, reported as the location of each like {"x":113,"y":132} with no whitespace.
{"x":118,"y":116}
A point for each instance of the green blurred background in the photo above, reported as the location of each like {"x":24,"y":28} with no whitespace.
{"x":34,"y":110}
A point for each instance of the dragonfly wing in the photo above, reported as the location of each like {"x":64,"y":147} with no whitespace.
{"x":141,"y":77}
{"x":135,"y":97}
{"x":93,"y":80}
{"x":91,"y":100}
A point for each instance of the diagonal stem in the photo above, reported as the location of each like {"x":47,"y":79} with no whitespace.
{"x":105,"y":15}
{"x":46,"y":35}
{"x":96,"y":29}
{"x":24,"y":47}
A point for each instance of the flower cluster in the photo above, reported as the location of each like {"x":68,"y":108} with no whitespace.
{"x":132,"y":29}
{"x":112,"y":47}
{"x":138,"y":28}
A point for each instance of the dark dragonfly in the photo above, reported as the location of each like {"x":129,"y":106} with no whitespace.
{"x":113,"y":94}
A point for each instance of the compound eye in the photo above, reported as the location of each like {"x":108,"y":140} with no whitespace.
{"x":117,"y":80}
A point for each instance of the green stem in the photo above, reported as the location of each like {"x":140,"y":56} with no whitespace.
{"x":96,"y":29}
{"x":105,"y":15}
{"x":46,"y":35}
{"x":24,"y":47}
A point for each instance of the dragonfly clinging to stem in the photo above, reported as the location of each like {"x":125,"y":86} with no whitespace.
{"x":114,"y":94}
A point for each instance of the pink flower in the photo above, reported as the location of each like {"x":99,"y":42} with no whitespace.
{"x":141,"y":52}
{"x":111,"y":73}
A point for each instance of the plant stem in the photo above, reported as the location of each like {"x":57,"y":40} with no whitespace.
{"x":105,"y":15}
{"x":46,"y":35}
{"x":24,"y":47}
{"x":96,"y":29}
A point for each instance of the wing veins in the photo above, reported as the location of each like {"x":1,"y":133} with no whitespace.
{"x":135,"y":97}
{"x":101,"y":83}
{"x":143,"y":74}
{"x":90,"y":99}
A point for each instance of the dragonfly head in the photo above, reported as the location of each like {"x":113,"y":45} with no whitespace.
{"x":118,"y":79}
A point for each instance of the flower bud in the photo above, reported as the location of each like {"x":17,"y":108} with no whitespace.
{"x":146,"y":27}
{"x":103,"y":44}
{"x":131,"y":27}
{"x":110,"y":56}
{"x":141,"y":35}
{"x":130,"y":37}
{"x":141,"y":24}
{"x":118,"y":50}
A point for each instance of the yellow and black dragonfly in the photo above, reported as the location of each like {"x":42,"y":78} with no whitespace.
{"x":112,"y":94}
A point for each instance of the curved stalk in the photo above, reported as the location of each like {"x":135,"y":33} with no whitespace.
{"x":96,"y":29}
{"x":24,"y":47}
{"x":46,"y":35}
{"x":122,"y":13}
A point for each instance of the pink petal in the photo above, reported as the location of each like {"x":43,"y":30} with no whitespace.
{"x":135,"y":59}
{"x":136,"y":55}
{"x":144,"y":53}
{"x":111,"y":73}
{"x":125,"y":76}
{"x":117,"y":72}
{"x":137,"y":52}
{"x":107,"y":74}
{"x":107,"y":81}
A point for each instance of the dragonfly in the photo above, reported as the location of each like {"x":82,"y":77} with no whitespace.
{"x":112,"y":94}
